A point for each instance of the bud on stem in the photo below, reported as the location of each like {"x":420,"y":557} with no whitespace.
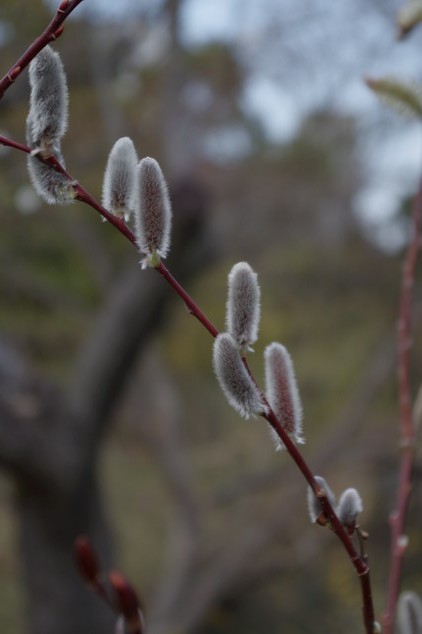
{"x":153,"y":221}
{"x":409,"y":614}
{"x":316,"y":512}
{"x":282,"y":392}
{"x":238,"y":387}
{"x":48,"y":103}
{"x":348,"y":508}
{"x":243,"y":309}
{"x":120,"y":186}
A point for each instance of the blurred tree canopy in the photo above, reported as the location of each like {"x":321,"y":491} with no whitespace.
{"x":209,"y":522}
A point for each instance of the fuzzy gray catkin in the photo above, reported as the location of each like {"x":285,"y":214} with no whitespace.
{"x":238,"y":387}
{"x":153,"y":220}
{"x":282,"y":392}
{"x":52,"y":186}
{"x":409,"y":613}
{"x":46,"y":124}
{"x":348,"y":508}
{"x":120,"y":185}
{"x":314,"y":505}
{"x":243,"y":305}
{"x":48,"y":103}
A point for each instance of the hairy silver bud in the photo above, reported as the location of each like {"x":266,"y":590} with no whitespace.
{"x":409,"y":613}
{"x":314,"y":505}
{"x":238,"y":387}
{"x":48,"y":103}
{"x":120,"y":186}
{"x":348,"y":508}
{"x":282,"y":392}
{"x":243,"y":308}
{"x":53,"y":187}
{"x":153,"y":220}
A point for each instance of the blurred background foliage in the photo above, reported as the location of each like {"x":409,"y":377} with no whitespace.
{"x":329,"y":293}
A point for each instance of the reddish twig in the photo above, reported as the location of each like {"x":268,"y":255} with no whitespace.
{"x":54,"y":30}
{"x":80,"y":192}
{"x":113,"y":589}
{"x":407,"y":427}
{"x":359,"y":562}
{"x":51,"y":33}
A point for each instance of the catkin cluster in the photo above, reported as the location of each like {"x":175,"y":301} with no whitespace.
{"x":230,"y":348}
{"x":132,"y":189}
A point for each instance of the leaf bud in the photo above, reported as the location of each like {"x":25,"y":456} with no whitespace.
{"x":87,"y":560}
{"x":403,"y":97}
{"x":127,"y":603}
{"x":409,"y":16}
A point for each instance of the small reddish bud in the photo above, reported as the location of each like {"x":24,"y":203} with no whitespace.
{"x":57,"y":33}
{"x":127,"y":602}
{"x":14,"y":73}
{"x":87,"y":561}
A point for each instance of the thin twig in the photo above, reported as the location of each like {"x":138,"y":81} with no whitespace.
{"x":53,"y":30}
{"x":407,"y":426}
{"x":359,"y":563}
{"x":51,"y":33}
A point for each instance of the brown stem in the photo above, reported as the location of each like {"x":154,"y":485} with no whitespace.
{"x":407,"y":427}
{"x":52,"y":32}
{"x":81,"y":193}
{"x":189,"y":302}
{"x":359,"y":563}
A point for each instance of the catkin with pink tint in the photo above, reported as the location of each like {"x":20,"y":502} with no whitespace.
{"x":282,"y":392}
{"x":153,"y":220}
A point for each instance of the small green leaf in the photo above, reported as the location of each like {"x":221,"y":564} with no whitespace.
{"x":409,"y":17}
{"x":404,"y":97}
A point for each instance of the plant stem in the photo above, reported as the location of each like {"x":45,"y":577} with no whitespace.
{"x":360,"y":563}
{"x":190,"y":304}
{"x":407,"y":427}
{"x":52,"y":32}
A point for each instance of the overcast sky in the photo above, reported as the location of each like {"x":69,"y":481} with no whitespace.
{"x":345,"y":42}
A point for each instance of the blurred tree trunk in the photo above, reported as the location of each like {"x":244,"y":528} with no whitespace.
{"x":51,"y":439}
{"x":49,"y":518}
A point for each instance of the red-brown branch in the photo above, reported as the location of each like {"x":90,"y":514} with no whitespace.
{"x":407,"y":427}
{"x":53,"y":30}
{"x":358,"y":562}
{"x":51,"y":33}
